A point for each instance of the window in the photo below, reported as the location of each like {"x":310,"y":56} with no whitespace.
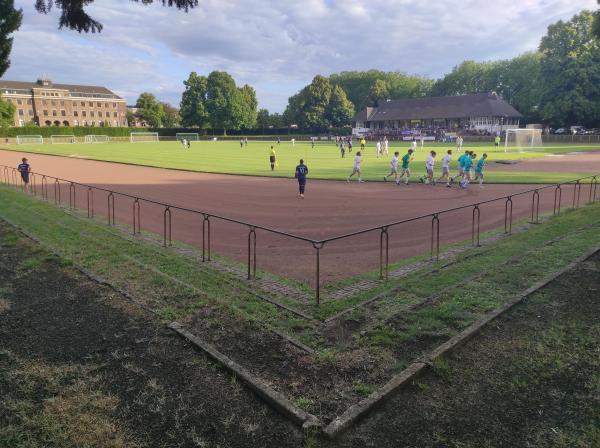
{"x":83,"y":114}
{"x":75,"y":114}
{"x":45,"y":113}
{"x":115,"y":114}
{"x":21,"y":112}
{"x":107,"y":114}
{"x":91,"y":104}
{"x":31,"y":112}
{"x":92,"y":113}
{"x":29,"y":102}
{"x":62,"y":103}
{"x":83,"y":104}
{"x":19,"y":101}
{"x":63,"y":113}
{"x":54,"y":114}
{"x":99,"y":104}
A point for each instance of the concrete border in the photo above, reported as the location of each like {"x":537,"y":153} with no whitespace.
{"x":272,"y":397}
{"x":355,"y":412}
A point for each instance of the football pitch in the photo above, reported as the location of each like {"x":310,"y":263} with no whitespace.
{"x":540,"y":165}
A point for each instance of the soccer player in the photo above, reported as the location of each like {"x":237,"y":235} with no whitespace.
{"x":363,"y":142}
{"x":272,"y":158}
{"x":301,"y":172}
{"x":459,"y":143}
{"x":413,"y":144}
{"x":312,"y":143}
{"x":242,"y":143}
{"x":479,"y":169}
{"x":446,"y":168}
{"x":293,"y":142}
{"x":406,"y":166}
{"x":356,"y":167}
{"x":343,"y":149}
{"x":497,"y":141}
{"x":461,"y":164}
{"x":467,"y":165}
{"x":188,"y":143}
{"x":183,"y":143}
{"x":429,"y":164}
{"x":349,"y":145}
{"x":246,"y":141}
{"x":385,"y":148}
{"x":393,"y":169}
{"x":24,"y":168}
{"x":278,"y":140}
{"x":378,"y":148}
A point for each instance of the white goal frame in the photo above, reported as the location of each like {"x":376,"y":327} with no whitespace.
{"x":145,"y":137}
{"x":189,"y":136}
{"x":531,"y":138}
{"x":72,"y":139}
{"x":97,"y":138}
{"x":30,"y":139}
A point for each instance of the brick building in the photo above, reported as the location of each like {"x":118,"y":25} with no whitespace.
{"x":48,"y":104}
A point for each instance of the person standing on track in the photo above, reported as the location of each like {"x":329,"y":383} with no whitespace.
{"x":406,"y":159}
{"x":301,"y":172}
{"x":479,"y":169}
{"x":356,"y":167}
{"x":272,"y":158}
{"x":25,"y":169}
{"x":429,"y":165}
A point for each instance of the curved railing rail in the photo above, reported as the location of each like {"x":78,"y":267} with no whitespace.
{"x":39,"y":187}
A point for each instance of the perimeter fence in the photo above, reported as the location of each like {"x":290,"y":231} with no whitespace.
{"x":75,"y":195}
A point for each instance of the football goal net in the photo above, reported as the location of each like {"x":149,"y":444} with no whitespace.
{"x":522,"y":139}
{"x":29,"y":140}
{"x":59,"y":139}
{"x":97,"y":139}
{"x":141,"y":137}
{"x":189,"y":137}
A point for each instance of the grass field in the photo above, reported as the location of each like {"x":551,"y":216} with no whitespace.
{"x":324,"y":160}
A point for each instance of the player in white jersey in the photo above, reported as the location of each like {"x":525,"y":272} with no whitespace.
{"x":385,"y":146}
{"x":459,"y":143}
{"x":446,"y":168}
{"x":429,"y":164}
{"x":393,"y":169}
{"x":378,"y":148}
{"x":413,"y":144}
{"x":356,"y":167}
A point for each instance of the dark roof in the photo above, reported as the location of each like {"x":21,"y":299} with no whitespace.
{"x":487,"y":104}
{"x":69,"y":87}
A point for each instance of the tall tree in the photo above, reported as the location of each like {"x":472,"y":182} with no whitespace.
{"x":249,"y":105}
{"x":596,"y":28}
{"x":223,"y":101}
{"x":570,"y":68}
{"x":10,"y":21}
{"x":339,"y":110}
{"x":193,"y":102}
{"x":7,"y":112}
{"x":170,"y":117}
{"x":73,"y":15}
{"x":378,"y":92}
{"x":149,"y":109}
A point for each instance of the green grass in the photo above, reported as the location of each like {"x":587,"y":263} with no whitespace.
{"x":324,"y":161}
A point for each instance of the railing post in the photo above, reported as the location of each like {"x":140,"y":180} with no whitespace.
{"x":508,"y":212}
{"x":475,"y":225}
{"x":206,"y":238}
{"x":90,"y":202}
{"x":384,"y":255}
{"x":576,"y":194}
{"x":535,"y":207}
{"x":251,"y":250}
{"x":14,"y":177}
{"x":435,"y":236}
{"x":44,"y":188}
{"x":71,"y":196}
{"x":167,"y":226}
{"x":111,"y":208}
{"x":33,"y":184}
{"x":318,"y":247}
{"x":57,"y":199}
{"x":136,"y":217}
{"x":594,"y":182}
{"x":557,"y":200}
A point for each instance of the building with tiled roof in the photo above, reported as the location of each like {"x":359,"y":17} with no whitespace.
{"x":48,"y":104}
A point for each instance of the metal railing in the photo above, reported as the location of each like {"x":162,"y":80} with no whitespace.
{"x":39,"y":187}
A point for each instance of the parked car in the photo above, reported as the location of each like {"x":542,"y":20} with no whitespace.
{"x":560,"y":131}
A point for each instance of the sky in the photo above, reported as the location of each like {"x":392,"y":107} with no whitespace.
{"x":276,"y":46}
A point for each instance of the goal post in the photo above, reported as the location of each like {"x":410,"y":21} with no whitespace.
{"x":522,"y":139}
{"x":29,"y":140}
{"x":59,"y":139}
{"x":143,"y":137}
{"x":190,"y":137}
{"x":97,"y":139}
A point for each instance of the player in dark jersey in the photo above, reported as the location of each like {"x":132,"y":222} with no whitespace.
{"x":301,"y":172}
{"x":24,"y":168}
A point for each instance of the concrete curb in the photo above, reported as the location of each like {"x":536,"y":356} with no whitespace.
{"x":272,"y":397}
{"x":354,"y":412}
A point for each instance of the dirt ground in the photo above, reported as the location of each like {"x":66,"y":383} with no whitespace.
{"x":575,"y":162}
{"x":82,"y":366}
{"x":330,"y":209}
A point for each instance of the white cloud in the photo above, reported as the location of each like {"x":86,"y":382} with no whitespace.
{"x":276,"y":46}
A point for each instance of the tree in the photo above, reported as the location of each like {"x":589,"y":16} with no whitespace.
{"x":74,"y":17}
{"x":170,"y":118}
{"x":7,"y":112}
{"x":223,"y":101}
{"x":262,"y":119}
{"x":10,"y":21}
{"x":193,"y":102}
{"x":570,"y":69}
{"x":249,"y":105}
{"x":596,"y":29}
{"x":339,"y":110}
{"x":149,"y":109}
{"x":378,"y":92}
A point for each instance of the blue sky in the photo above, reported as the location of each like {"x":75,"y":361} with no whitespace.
{"x":275,"y":46}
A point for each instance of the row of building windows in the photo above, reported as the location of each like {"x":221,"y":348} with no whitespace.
{"x":63,"y":113}
{"x":98,"y":104}
{"x":115,"y":123}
